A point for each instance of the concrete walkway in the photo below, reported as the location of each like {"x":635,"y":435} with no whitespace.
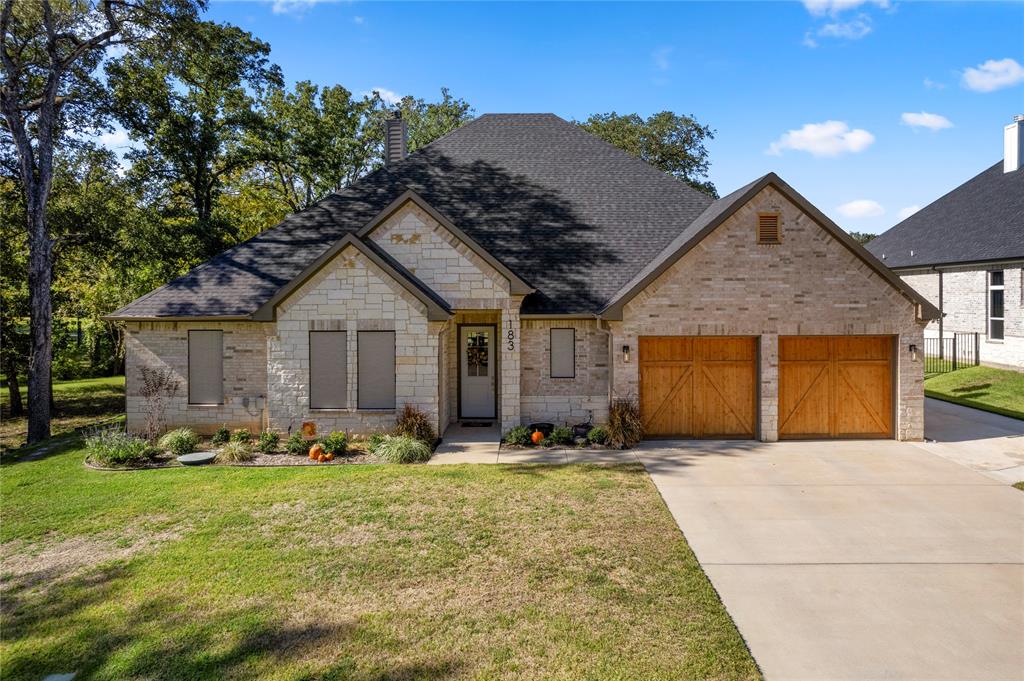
{"x":989,"y":443}
{"x":854,"y":560}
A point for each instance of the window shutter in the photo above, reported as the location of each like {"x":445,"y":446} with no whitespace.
{"x":376,"y":369}
{"x":328,"y":369}
{"x":205,"y":367}
{"x":768,"y":229}
{"x":563,"y":353}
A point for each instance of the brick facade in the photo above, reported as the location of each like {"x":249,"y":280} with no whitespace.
{"x":726,"y":285}
{"x":809,"y":284}
{"x":965,"y":305}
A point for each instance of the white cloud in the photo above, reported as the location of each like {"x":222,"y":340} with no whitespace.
{"x":809,"y":40}
{"x":833,"y":7}
{"x":993,"y":75}
{"x":831,"y":138}
{"x":926,"y":120}
{"x":114,"y":139}
{"x":905,"y":213}
{"x":930,"y":84}
{"x":389,"y":96}
{"x":294,"y":7}
{"x":854,"y":29}
{"x":359,"y":20}
{"x":661,"y":58}
{"x":861,"y":208}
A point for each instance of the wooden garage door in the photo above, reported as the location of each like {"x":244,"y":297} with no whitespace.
{"x":835,"y":386}
{"x":698,"y":386}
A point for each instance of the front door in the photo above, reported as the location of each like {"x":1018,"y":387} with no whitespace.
{"x":476,"y":372}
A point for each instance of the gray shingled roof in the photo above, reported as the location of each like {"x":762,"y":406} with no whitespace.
{"x":981,"y":220}
{"x":571,"y":215}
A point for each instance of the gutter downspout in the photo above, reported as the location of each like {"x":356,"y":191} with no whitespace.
{"x":611,"y":356}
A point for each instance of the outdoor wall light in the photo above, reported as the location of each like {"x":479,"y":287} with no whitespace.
{"x":625,"y":354}
{"x":913,"y":353}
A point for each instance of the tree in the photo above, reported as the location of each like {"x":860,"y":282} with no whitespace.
{"x":193,"y":108}
{"x":49,"y":57}
{"x":862,"y":237}
{"x":427,"y":121}
{"x":668,"y":141}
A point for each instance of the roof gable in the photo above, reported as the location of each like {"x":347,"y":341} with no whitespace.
{"x":718,"y":212}
{"x":437,"y":308}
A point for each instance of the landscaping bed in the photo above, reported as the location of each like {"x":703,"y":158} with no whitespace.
{"x":356,"y":572}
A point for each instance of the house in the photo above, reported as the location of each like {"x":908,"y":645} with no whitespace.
{"x":521,"y":270}
{"x":965,"y":253}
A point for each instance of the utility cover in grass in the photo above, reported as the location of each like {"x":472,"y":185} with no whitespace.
{"x":197,"y":458}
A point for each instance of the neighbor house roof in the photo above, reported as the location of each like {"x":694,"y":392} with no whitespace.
{"x":981,"y":220}
{"x":568,"y":214}
{"x":718,"y":212}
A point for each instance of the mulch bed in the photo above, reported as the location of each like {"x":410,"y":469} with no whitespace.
{"x":165,"y":460}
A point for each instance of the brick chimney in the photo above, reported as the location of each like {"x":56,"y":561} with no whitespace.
{"x":394,"y":139}
{"x":1013,"y":144}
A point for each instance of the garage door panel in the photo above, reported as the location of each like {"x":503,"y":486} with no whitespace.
{"x":694,"y":386}
{"x":727,"y":404}
{"x":666,"y":401}
{"x":866,"y":407}
{"x":804,"y":399}
{"x":848,"y":393}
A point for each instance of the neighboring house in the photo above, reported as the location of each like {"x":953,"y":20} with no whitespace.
{"x":520,"y":269}
{"x":965,"y":253}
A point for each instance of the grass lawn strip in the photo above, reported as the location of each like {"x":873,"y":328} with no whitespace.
{"x":79,"y":403}
{"x":1000,"y":391}
{"x":361,"y":572}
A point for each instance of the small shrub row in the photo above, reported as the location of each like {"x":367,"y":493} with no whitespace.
{"x":180,"y":441}
{"x":115,"y":448}
{"x":623,"y":430}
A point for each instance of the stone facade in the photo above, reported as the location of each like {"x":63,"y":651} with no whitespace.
{"x":164,"y":345}
{"x":964,"y":301}
{"x":564,"y":400}
{"x":809,"y":284}
{"x":351,"y":294}
{"x":726,"y":285}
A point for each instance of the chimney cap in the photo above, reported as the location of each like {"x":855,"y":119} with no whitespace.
{"x":396,"y":114}
{"x":1018,"y":118}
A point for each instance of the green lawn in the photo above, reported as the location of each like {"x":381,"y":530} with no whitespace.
{"x":1019,"y":485}
{"x":996,"y":390}
{"x":356,"y":572}
{"x":79,"y":403}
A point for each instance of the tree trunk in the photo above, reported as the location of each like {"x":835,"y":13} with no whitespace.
{"x":17,"y":409}
{"x":40,"y":270}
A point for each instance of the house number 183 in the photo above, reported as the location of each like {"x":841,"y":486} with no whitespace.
{"x":511,"y":339}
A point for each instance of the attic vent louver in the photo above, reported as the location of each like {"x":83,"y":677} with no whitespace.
{"x":768,"y":228}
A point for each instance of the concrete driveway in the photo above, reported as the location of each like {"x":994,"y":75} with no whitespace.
{"x":988,"y":443}
{"x":854,"y":560}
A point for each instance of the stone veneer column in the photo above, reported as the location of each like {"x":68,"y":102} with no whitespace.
{"x":510,"y":363}
{"x":769,"y":380}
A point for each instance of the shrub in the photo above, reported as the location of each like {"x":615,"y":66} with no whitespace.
{"x":179,"y":442}
{"x":241,"y":435}
{"x":221,"y":436}
{"x":335,"y":443}
{"x":598,"y":435}
{"x":114,"y":447}
{"x":520,"y":435}
{"x":415,"y":423}
{"x":268,"y":442}
{"x":547,"y":442}
{"x":625,"y":429}
{"x":374,"y":441}
{"x":402,"y":449}
{"x":296,"y":444}
{"x":234,"y":451}
{"x":561,"y":436}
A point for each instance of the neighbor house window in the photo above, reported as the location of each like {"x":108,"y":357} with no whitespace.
{"x":995,"y":305}
{"x":328,"y":369}
{"x":563,"y":353}
{"x":376,"y":370}
{"x":205,"y":367}
{"x":769,"y":230}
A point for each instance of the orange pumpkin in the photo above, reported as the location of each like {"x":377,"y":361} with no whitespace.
{"x":537,"y":437}
{"x":316,"y":451}
{"x":329,"y":456}
{"x":322,"y":458}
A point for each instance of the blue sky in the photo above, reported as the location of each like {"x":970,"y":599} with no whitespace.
{"x":816,"y":90}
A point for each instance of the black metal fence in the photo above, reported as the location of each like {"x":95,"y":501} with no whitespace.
{"x":942,"y":355}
